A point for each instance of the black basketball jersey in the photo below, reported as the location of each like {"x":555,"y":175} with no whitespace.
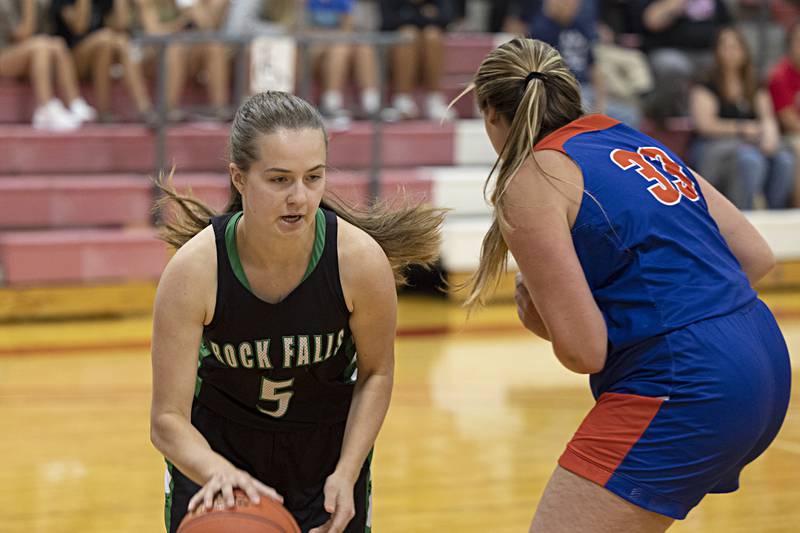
{"x":282,"y":366}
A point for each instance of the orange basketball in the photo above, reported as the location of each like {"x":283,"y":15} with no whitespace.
{"x":268,"y":516}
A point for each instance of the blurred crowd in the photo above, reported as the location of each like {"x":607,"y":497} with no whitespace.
{"x":644,"y":62}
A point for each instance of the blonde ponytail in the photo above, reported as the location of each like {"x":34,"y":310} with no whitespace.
{"x":534,"y":106}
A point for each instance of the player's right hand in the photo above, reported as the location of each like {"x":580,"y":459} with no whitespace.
{"x":224,"y":482}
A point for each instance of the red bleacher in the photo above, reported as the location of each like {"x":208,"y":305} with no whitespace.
{"x":75,"y":207}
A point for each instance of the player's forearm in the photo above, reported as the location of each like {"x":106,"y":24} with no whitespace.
{"x":367,"y":412}
{"x":180,"y":442}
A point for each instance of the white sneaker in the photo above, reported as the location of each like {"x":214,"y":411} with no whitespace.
{"x":53,"y":116}
{"x":405,"y":106}
{"x":337,"y":118}
{"x":82,"y":110}
{"x":370,"y":102}
{"x":436,"y":108}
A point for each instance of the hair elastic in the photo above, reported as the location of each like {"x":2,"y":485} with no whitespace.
{"x":535,"y":75}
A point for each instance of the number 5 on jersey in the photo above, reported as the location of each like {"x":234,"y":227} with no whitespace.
{"x":665,"y":190}
{"x":271,"y":391}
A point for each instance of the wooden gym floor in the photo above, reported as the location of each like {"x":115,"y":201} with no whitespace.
{"x":481,"y":411}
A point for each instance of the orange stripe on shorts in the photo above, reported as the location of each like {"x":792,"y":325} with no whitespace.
{"x":607,"y":434}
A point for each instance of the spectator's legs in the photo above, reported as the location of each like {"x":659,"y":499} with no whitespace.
{"x":433,"y":61}
{"x":432,"y":57}
{"x":66,"y":73}
{"x":67,"y":77}
{"x":405,"y":71}
{"x":219,"y":75}
{"x":217,"y":9}
{"x":780,"y":180}
{"x":366,"y":71}
{"x":95,"y":54}
{"x":751,"y":175}
{"x":177,"y":71}
{"x":335,"y":68}
{"x":715,"y":160}
{"x":32,"y":56}
{"x":132,"y":73}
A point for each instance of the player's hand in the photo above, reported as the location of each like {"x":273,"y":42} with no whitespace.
{"x":224,"y":482}
{"x":526,"y":310}
{"x":339,"y":502}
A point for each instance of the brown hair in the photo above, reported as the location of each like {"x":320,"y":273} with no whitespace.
{"x":408,"y":233}
{"x":534,"y":108}
{"x":746,"y":73}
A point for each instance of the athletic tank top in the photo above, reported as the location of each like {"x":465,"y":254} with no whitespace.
{"x":654,"y":258}
{"x":283,"y":366}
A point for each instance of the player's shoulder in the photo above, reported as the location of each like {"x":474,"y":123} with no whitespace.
{"x":546,"y":177}
{"x":356,"y":245}
{"x":196,"y":260}
{"x":360,"y":256}
{"x":364,"y":269}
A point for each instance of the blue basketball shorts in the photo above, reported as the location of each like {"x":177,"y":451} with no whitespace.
{"x":727,"y":388}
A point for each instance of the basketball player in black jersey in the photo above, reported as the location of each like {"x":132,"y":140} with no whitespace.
{"x":289,"y":299}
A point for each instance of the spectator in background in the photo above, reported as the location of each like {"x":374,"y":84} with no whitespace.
{"x":248,"y":17}
{"x":24,"y":52}
{"x":570,"y":27}
{"x":423,"y":21}
{"x":739,"y":147}
{"x":207,"y":61}
{"x":625,"y":70}
{"x":677,"y":36}
{"x":95,"y":31}
{"x":784,"y":86}
{"x":333,"y":60}
{"x":503,"y":16}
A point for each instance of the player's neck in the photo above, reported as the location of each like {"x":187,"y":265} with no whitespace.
{"x":272,"y":249}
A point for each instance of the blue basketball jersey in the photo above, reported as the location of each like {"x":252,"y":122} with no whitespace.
{"x":654,"y":258}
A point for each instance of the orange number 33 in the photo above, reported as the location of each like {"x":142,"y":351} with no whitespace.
{"x":665,"y":190}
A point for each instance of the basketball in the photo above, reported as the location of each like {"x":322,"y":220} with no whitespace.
{"x":268,"y":516}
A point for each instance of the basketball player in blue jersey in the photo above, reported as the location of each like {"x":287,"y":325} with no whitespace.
{"x":289,"y":299}
{"x":639,"y":272}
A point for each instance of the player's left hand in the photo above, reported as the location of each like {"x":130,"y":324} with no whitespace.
{"x":339,"y":502}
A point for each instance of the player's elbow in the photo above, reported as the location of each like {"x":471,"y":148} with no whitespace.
{"x":764,"y":265}
{"x":155,"y":435}
{"x":759,"y":262}
{"x":581,"y":357}
{"x":158,"y":429}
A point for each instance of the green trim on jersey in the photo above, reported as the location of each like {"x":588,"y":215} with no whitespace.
{"x":168,"y":497}
{"x":233,"y":252}
{"x":236,"y":262}
{"x":203,"y":353}
{"x":319,"y":243}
